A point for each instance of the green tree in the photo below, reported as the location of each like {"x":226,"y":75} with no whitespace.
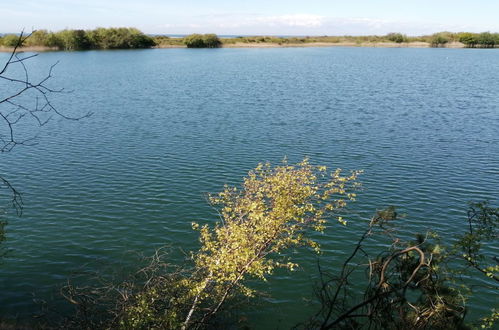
{"x":119,"y":38}
{"x":194,"y":41}
{"x":486,"y":40}
{"x":74,"y":40}
{"x":273,"y":211}
{"x":37,"y":38}
{"x":54,"y":40}
{"x":469,"y":39}
{"x":12,"y":40}
{"x":438,"y":40}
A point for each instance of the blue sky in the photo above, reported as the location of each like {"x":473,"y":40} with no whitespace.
{"x":291,"y":17}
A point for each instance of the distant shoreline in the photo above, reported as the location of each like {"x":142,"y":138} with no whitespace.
{"x":341,"y":44}
{"x":274,"y":45}
{"x":132,"y":38}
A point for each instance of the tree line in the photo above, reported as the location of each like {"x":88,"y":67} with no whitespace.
{"x":132,"y":38}
{"x":100,"y":38}
{"x":470,"y":40}
{"x":105,"y":38}
{"x":440,"y":39}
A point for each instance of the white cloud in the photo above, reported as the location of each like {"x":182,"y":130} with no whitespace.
{"x":297,"y":20}
{"x":300,"y":24}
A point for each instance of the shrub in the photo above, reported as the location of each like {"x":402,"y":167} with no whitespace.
{"x":438,"y":40}
{"x":396,"y":37}
{"x":54,"y":40}
{"x":74,"y":40}
{"x":119,"y":38}
{"x":469,"y":39}
{"x":10,"y":40}
{"x":37,"y":38}
{"x":202,"y":41}
{"x":486,"y":39}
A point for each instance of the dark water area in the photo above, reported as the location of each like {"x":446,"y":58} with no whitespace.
{"x":170,"y":125}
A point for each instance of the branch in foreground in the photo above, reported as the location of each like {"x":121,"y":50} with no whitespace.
{"x":407,"y":286}
{"x":18,"y":112}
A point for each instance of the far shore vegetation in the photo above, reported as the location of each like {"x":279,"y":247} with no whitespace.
{"x":132,"y":38}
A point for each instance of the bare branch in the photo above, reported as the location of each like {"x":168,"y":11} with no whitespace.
{"x":16,"y":112}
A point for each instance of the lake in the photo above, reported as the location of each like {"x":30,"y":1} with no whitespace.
{"x":171,"y":125}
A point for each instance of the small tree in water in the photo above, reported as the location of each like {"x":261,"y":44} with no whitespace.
{"x":273,"y":211}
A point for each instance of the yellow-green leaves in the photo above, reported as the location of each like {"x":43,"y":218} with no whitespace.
{"x":272,"y":211}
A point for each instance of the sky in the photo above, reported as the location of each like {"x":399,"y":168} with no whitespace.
{"x":267,"y":17}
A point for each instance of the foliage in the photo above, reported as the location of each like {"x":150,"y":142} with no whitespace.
{"x":150,"y":298}
{"x":439,"y":40}
{"x":483,"y":40}
{"x":469,"y":39}
{"x":119,"y":38}
{"x":165,"y":41}
{"x":202,"y":41}
{"x":11,"y":40}
{"x":397,"y":37}
{"x":100,"y":38}
{"x":489,"y":322}
{"x":273,"y":211}
{"x":407,"y":285}
{"x":486,"y":40}
{"x":473,"y":248}
{"x":410,"y":285}
{"x":483,"y":223}
{"x":37,"y":38}
{"x":129,"y":38}
{"x":73,"y":40}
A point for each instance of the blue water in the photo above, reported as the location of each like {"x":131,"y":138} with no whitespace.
{"x":170,"y":125}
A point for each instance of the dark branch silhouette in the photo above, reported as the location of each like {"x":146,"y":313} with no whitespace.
{"x":404,"y":288}
{"x":27,"y":103}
